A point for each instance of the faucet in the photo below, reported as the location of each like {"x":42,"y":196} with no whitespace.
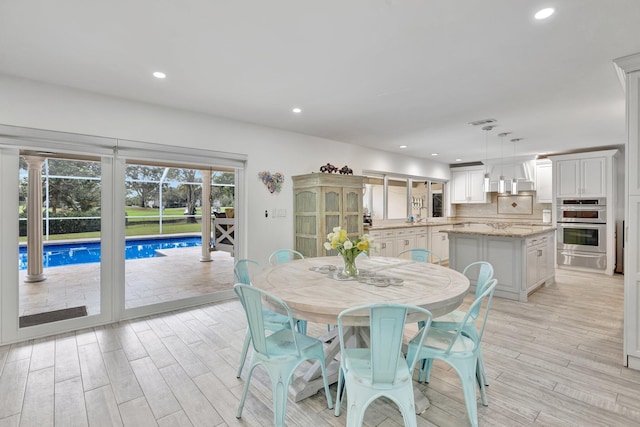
{"x":420,"y":218}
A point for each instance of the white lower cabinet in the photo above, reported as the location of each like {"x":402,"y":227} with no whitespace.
{"x":405,"y":239}
{"x":392,"y":241}
{"x":384,"y":242}
{"x":439,"y":242}
{"x":540,"y":263}
{"x":422,"y":238}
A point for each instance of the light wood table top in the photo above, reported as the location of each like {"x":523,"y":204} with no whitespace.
{"x":318,"y":297}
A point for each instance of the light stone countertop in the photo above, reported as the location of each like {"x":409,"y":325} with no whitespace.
{"x":492,"y":228}
{"x":515,"y":230}
{"x":411,"y":225}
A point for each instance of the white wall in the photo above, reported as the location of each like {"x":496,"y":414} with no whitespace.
{"x":37,"y":105}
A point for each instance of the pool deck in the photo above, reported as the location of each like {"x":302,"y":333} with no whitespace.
{"x":179,"y":274}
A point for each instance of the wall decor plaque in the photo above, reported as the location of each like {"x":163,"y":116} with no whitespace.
{"x":273,"y":181}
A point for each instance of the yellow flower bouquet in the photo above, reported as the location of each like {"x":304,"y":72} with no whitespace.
{"x":348,"y":249}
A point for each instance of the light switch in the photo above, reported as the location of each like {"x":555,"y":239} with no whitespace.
{"x":282,"y":212}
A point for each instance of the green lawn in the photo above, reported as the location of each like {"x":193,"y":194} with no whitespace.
{"x":136,"y":215}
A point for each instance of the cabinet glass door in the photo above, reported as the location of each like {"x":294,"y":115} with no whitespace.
{"x":306,"y":222}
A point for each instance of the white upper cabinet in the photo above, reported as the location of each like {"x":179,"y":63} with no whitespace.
{"x":585,"y":177}
{"x":467,"y":186}
{"x":544,"y":181}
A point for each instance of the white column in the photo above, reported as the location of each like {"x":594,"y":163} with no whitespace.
{"x":206,"y":216}
{"x":34,"y":220}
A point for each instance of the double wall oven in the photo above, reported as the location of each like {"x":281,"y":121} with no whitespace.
{"x":582,"y":232}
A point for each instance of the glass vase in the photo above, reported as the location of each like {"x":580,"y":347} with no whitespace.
{"x":350,"y":269}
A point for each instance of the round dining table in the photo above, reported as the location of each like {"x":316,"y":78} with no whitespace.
{"x":315,"y":290}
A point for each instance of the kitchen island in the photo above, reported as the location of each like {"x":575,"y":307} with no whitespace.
{"x":522,"y":255}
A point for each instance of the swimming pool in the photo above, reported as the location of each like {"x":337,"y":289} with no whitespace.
{"x":59,"y":254}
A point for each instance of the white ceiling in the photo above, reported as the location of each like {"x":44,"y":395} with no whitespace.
{"x":378,"y":73}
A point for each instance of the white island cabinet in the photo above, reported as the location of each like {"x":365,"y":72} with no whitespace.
{"x":521,"y":256}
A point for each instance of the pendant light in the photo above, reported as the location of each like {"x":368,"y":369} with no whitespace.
{"x":487,"y":179}
{"x":514,"y":181}
{"x":502,"y":187}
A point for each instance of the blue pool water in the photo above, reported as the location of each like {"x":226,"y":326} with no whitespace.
{"x":57,"y":254}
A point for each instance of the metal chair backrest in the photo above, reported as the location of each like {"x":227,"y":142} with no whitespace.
{"x":252,"y":301}
{"x":485,"y":274}
{"x":386,"y":325}
{"x":421,"y":255}
{"x":242,"y":272}
{"x":475,"y":306}
{"x":284,"y":255}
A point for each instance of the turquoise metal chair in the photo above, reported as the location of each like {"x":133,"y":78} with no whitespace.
{"x":242,"y":270}
{"x":284,"y":255}
{"x":458,"y":350}
{"x":422,"y":255}
{"x":280,"y":353}
{"x":482,"y":272}
{"x":280,"y":257}
{"x":272,"y":321}
{"x":379,"y":369}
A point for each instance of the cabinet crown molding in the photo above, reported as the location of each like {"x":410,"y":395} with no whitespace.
{"x":629,"y":63}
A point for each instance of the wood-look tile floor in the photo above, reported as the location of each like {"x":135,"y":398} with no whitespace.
{"x":556,"y":360}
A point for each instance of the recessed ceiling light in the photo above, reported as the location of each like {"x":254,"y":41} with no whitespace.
{"x":544,"y":13}
{"x":159,"y":75}
{"x":403,"y":146}
{"x":458,"y":160}
{"x":434,"y":154}
{"x":297,"y":110}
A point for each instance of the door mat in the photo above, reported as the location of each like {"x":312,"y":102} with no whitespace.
{"x":52,"y":316}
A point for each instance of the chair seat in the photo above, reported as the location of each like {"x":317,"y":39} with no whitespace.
{"x":439,"y":340}
{"x":357,"y":364}
{"x":456,"y":316}
{"x":281,"y":343}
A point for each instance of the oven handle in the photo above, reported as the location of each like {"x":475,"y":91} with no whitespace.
{"x":583,"y":208}
{"x":570,"y":253}
{"x":581,"y":225}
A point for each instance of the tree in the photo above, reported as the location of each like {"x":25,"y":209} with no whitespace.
{"x":189,"y":188}
{"x":143,"y":181}
{"x":224,"y":195}
{"x":73,"y":184}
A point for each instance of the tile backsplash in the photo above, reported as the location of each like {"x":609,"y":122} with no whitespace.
{"x":489,"y":211}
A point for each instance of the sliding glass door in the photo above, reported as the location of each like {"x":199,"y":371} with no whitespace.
{"x":173,"y":214}
{"x":96,"y":230}
{"x":60,"y":210}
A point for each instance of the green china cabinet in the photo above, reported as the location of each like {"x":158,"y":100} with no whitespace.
{"x":324,"y":201}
